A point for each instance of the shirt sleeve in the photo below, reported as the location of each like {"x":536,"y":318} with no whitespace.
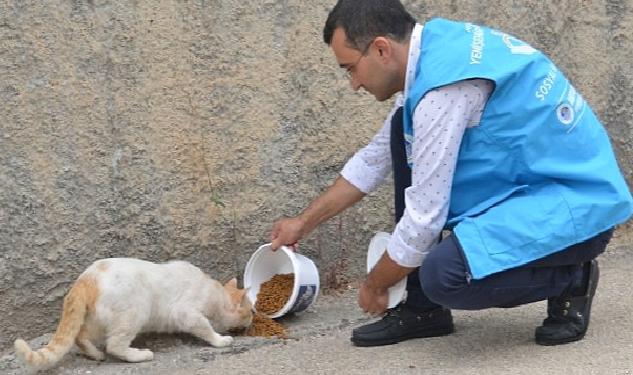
{"x":370,"y":166}
{"x":439,"y":122}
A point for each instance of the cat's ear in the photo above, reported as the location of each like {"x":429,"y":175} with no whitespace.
{"x":236,"y":295}
{"x":231,"y":283}
{"x":241,"y":293}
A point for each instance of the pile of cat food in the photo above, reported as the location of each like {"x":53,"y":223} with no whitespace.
{"x":265,"y":327}
{"x":273,"y":295}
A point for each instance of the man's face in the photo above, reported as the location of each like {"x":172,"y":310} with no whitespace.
{"x":368,"y":70}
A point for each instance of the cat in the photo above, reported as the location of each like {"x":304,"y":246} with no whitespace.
{"x":115,"y":299}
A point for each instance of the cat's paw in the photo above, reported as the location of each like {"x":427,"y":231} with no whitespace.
{"x":222,"y":341}
{"x":97,"y":356}
{"x":149,"y":355}
{"x":140,"y":355}
{"x":93,"y":353}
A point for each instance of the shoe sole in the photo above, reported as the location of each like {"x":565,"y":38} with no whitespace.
{"x":431,"y":333}
{"x":595,"y":276}
{"x":561,"y":341}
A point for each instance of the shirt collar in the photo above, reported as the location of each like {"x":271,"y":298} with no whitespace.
{"x":414,"y":54}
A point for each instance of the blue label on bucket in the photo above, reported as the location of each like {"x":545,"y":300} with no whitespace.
{"x":304,"y":298}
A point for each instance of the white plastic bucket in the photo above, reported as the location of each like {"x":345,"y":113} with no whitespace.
{"x":265,"y":263}
{"x":377,"y":246}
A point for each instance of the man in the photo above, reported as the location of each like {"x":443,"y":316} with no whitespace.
{"x":488,"y":140}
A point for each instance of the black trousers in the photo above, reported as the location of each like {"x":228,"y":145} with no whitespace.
{"x":443,"y":280}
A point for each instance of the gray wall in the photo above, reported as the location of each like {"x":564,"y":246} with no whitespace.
{"x":182,"y":129}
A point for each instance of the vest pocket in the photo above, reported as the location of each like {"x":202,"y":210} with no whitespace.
{"x":528,"y":225}
{"x":485,"y":205}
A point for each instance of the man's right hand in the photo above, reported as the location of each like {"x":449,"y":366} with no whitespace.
{"x":287,"y":232}
{"x":336,"y":198}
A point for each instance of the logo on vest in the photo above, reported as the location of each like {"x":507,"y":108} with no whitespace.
{"x":516,"y":46}
{"x":565,"y":113}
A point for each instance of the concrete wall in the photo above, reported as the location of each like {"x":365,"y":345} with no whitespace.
{"x":182,"y":129}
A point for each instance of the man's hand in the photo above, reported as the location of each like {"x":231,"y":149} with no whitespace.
{"x":335,"y":199}
{"x":287,"y":232}
{"x":373,"y":296}
{"x":373,"y":300}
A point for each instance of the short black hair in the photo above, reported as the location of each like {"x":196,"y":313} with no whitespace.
{"x":364,"y":20}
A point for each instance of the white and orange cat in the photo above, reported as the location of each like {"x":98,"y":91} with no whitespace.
{"x":116,"y":299}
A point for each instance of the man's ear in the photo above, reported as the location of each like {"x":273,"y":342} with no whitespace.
{"x":383,"y":46}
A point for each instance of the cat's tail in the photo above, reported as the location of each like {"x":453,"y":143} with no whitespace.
{"x":81,"y":297}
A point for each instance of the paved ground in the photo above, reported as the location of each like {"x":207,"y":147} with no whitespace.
{"x":495,"y":341}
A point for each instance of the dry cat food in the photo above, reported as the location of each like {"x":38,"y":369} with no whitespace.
{"x":274,"y":293}
{"x":266,"y":327}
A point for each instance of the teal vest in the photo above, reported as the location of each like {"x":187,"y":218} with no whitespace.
{"x":538,"y":174}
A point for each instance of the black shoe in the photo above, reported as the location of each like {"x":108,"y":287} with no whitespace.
{"x":568,"y":315}
{"x":401,"y":323}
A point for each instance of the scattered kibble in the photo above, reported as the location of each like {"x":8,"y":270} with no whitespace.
{"x":265,"y":327}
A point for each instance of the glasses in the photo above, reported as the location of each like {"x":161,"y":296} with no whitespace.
{"x":349,"y":70}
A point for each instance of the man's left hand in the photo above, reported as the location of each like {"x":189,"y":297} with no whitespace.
{"x":373,"y":300}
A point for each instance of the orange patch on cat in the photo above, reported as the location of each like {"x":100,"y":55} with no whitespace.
{"x":102,"y":266}
{"x":83,"y":295}
{"x":81,"y":299}
{"x":88,"y":285}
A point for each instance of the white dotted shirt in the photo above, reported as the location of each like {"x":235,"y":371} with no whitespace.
{"x":439,"y":122}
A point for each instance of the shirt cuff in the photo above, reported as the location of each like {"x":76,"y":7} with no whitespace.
{"x":403,"y":254}
{"x":359,"y":174}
